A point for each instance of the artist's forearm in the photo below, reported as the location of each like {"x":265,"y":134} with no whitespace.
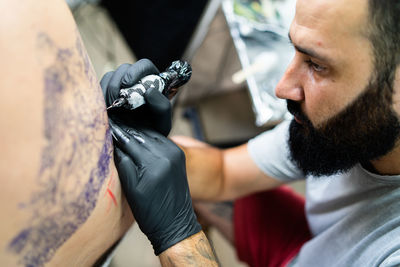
{"x":193,"y":251}
{"x":204,"y":166}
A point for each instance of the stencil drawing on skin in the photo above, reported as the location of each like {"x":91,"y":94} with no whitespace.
{"x":69,"y":180}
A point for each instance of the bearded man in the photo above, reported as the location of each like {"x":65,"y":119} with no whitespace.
{"x":343,"y":89}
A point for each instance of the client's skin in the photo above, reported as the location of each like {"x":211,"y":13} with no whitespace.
{"x":61,"y":199}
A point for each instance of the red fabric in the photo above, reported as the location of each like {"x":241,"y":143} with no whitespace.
{"x":270,"y":227}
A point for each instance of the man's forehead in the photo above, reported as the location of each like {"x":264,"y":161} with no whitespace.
{"x":340,"y":14}
{"x":333,"y":31}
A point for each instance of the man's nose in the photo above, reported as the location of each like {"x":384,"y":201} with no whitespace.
{"x":290,"y":85}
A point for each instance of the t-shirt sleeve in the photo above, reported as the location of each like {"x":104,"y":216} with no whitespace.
{"x":270,"y":153}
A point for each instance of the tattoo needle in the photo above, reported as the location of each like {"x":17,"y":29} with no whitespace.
{"x":118,"y":103}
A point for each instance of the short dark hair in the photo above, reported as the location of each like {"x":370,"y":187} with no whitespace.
{"x":384,"y":34}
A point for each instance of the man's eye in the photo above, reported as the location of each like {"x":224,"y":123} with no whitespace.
{"x":315,"y":66}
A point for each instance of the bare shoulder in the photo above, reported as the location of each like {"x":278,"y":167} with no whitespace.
{"x":59,"y":187}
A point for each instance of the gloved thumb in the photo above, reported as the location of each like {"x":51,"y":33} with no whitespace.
{"x":158,"y":102}
{"x":136,"y":71}
{"x":160,"y":107}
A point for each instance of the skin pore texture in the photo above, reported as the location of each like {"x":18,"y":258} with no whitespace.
{"x":343,"y":114}
{"x":61,"y":201}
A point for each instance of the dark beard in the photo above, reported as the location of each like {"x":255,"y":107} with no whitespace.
{"x":366,"y":130}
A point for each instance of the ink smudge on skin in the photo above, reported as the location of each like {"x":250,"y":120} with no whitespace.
{"x":109,"y":193}
{"x":75,"y":158}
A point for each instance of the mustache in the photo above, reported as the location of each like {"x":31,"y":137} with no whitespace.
{"x":295,"y":109}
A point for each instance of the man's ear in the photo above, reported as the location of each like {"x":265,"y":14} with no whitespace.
{"x":396,"y":91}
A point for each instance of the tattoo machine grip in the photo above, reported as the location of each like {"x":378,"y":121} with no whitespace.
{"x":167,"y":82}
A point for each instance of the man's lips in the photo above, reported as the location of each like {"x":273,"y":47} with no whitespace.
{"x":298,"y":120}
{"x":294,"y":108}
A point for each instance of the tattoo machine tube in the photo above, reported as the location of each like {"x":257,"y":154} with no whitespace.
{"x":166,"y":82}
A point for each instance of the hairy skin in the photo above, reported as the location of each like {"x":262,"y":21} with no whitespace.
{"x":193,"y":251}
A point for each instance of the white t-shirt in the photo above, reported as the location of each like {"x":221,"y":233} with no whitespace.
{"x":354,"y":217}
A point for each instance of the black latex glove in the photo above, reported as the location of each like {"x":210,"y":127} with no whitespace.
{"x":156,"y":113}
{"x":153,"y":177}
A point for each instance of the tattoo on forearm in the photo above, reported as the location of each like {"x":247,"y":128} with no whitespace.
{"x":195,"y":251}
{"x":190,"y":260}
{"x":203,"y":248}
{"x":69,"y":179}
{"x":171,"y":262}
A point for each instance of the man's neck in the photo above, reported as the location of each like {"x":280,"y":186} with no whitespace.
{"x":390,"y":163}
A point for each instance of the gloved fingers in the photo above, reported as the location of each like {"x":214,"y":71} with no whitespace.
{"x":160,"y":107}
{"x":162,"y":146}
{"x":105,"y":81}
{"x":127,"y":171}
{"x":114,"y":84}
{"x":157,"y":102}
{"x":133,"y":143}
{"x":137,"y":71}
{"x":153,"y":137}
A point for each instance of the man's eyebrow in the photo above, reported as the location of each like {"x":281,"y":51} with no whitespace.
{"x":309,"y":52}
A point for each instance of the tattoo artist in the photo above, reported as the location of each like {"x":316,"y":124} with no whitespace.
{"x":153,"y":173}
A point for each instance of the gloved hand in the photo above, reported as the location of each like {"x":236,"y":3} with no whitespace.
{"x":156,"y":113}
{"x":153,"y":177}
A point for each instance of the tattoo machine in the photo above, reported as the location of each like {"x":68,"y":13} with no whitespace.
{"x":166,"y":82}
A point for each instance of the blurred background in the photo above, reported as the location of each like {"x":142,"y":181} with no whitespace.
{"x":238,"y":50}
